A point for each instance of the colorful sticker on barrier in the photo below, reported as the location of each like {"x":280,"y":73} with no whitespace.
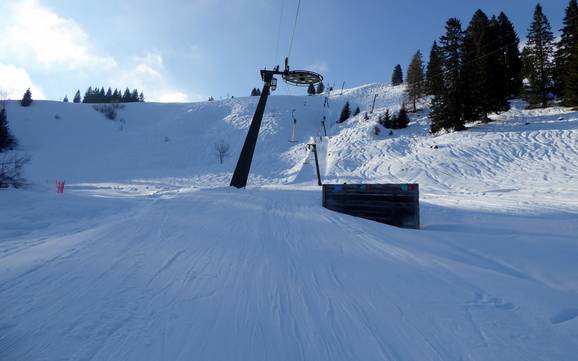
{"x":404,"y":187}
{"x":362,"y":188}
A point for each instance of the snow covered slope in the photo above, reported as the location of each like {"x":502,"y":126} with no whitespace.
{"x":149,"y":256}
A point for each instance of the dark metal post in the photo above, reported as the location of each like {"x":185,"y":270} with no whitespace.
{"x":314,"y":148}
{"x":293,"y":140}
{"x":297,"y":77}
{"x":373,"y":106}
{"x":342,"y":86}
{"x":243,"y":167}
{"x":323,"y":123}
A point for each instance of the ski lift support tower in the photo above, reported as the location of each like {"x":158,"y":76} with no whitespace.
{"x":293,"y":77}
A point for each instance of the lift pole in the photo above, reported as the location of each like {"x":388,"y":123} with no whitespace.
{"x":295,"y":77}
{"x":313,"y":147}
{"x":293,"y":139}
{"x":373,"y":106}
{"x":243,"y":167}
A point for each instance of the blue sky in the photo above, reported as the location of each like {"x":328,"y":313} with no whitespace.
{"x":188,"y":50}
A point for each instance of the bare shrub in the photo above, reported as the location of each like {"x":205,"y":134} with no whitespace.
{"x":109,"y":110}
{"x":221,"y":150}
{"x":11,"y":168}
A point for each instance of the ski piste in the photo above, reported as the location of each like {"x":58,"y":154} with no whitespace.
{"x":149,"y":255}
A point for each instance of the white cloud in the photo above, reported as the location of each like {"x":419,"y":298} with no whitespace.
{"x":37,"y":37}
{"x":176,"y":97}
{"x":14,"y":81}
{"x":148,"y":74}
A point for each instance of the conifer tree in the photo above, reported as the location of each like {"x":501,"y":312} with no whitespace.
{"x":320,"y":88}
{"x":7,"y":141}
{"x":357,"y":111}
{"x":77,"y":98}
{"x":451,"y":49}
{"x":253,"y":92}
{"x":134,"y":96}
{"x":537,"y":58}
{"x":88,"y":95}
{"x":402,"y":119}
{"x":311,"y":89}
{"x":108,"y":95}
{"x":397,"y":76}
{"x":26,"y":98}
{"x":436,"y":88}
{"x":141,"y":97}
{"x":438,"y":114}
{"x":101,"y":96}
{"x":474,"y":89}
{"x":571,"y":82}
{"x":483,"y":71}
{"x":415,"y":80}
{"x":65,"y":100}
{"x":345,"y":113}
{"x":512,"y":61}
{"x":434,"y":73}
{"x":126,"y":96}
{"x":392,"y":122}
{"x":567,"y":57}
{"x":385,"y":120}
{"x":495,"y":73}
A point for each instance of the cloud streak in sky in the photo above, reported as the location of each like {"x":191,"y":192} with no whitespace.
{"x":37,"y":37}
{"x":37,"y":40}
{"x":14,"y":81}
{"x":148,"y":72}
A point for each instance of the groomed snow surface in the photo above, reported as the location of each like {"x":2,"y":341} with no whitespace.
{"x":149,"y":255}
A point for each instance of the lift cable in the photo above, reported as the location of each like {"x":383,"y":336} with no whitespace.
{"x":294,"y":29}
{"x":279,"y":31}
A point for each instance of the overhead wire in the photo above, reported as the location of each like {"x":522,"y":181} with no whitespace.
{"x":293,"y":36}
{"x":294,"y":28}
{"x":279,"y":31}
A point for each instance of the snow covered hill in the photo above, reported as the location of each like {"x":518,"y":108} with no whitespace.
{"x":150,"y":256}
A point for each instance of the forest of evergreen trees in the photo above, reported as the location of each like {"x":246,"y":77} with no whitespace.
{"x":100,"y":96}
{"x":473,"y":72}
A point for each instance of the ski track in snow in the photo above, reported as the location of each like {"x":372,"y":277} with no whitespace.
{"x":147,"y":256}
{"x":292,"y":285}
